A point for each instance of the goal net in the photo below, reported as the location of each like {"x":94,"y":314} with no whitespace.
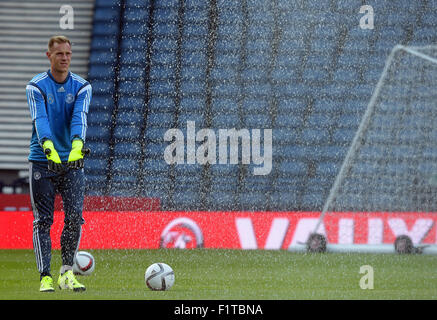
{"x":391,"y":165}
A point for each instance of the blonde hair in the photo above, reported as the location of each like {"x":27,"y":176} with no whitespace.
{"x":58,"y":39}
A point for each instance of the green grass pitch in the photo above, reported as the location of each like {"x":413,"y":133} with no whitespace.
{"x":215,"y":274}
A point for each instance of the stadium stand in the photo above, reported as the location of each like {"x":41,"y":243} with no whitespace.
{"x":304,"y":68}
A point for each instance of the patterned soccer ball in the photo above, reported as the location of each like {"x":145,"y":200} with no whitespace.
{"x":83,"y":263}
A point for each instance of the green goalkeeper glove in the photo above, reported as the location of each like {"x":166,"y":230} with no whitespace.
{"x":75,"y":159}
{"x":55,"y":164}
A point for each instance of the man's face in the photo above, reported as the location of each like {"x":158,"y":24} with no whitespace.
{"x":60,"y":57}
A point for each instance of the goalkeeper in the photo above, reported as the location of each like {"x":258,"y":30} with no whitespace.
{"x":58,"y":101}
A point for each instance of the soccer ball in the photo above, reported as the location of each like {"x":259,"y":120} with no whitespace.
{"x":159,"y":277}
{"x":83,"y":263}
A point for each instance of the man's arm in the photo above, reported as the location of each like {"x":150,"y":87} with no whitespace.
{"x":38,"y":113}
{"x":80,"y":112}
{"x":78,"y":127}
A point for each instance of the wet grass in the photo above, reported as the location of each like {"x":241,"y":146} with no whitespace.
{"x":212,"y":274}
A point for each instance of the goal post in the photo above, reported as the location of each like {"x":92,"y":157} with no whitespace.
{"x":391,"y":164}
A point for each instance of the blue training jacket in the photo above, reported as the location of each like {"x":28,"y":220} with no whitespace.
{"x":58,"y":111}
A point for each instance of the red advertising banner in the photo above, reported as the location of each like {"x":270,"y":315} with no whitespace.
{"x":234,"y":230}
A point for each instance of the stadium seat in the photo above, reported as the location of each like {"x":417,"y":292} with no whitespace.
{"x":96,"y":166}
{"x":99,"y":149}
{"x":127,"y":150}
{"x":127,"y":132}
{"x":313,"y":136}
{"x":105,"y":28}
{"x":99,"y":118}
{"x":295,"y":168}
{"x":252,"y":201}
{"x":184,"y":200}
{"x":328,"y":169}
{"x":312,"y":200}
{"x":343,"y":136}
{"x":129,"y":117}
{"x":286,"y":135}
{"x":97,"y":133}
{"x":95,"y":183}
{"x":102,"y":102}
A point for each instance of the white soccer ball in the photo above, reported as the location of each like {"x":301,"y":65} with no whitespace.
{"x":83,"y":263}
{"x":159,"y":277}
